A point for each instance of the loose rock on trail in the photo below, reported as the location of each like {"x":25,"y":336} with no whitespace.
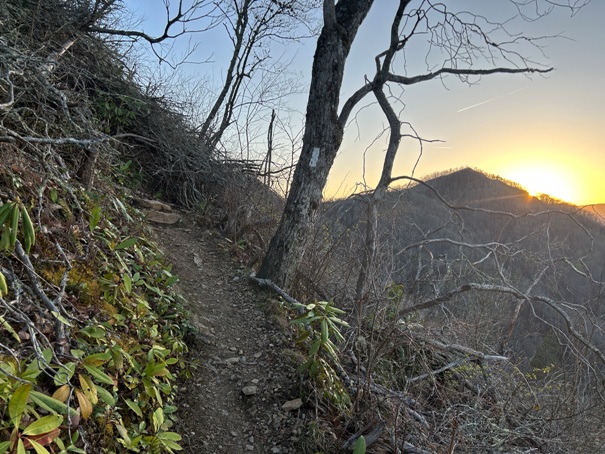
{"x":244,"y":369}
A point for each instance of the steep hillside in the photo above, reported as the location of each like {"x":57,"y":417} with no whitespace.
{"x":94,"y":336}
{"x":91,"y":328}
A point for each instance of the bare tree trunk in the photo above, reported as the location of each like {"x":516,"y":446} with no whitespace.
{"x":234,"y":71}
{"x":369,"y":251}
{"x":86,"y":172}
{"x":324,"y":127}
{"x":269,"y":158}
{"x":386,"y":176}
{"x":322,"y":139}
{"x":376,"y":196}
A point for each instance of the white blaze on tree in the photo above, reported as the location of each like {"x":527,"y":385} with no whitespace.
{"x":314,"y":157}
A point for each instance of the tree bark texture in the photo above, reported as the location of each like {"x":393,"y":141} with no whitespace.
{"x":86,"y":172}
{"x":321,"y":141}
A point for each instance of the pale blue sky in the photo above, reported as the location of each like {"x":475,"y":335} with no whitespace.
{"x":544,"y":131}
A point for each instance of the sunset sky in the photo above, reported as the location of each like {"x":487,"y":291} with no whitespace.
{"x":545,"y":132}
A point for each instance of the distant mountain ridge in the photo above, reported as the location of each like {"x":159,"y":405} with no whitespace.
{"x":472,"y":187}
{"x":469,"y":181}
{"x":495,"y":234}
{"x":464,"y":188}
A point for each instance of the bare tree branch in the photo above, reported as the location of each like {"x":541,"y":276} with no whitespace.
{"x":52,"y":306}
{"x":183,"y":17}
{"x":11,"y":89}
{"x":329,"y":13}
{"x":466,"y":72}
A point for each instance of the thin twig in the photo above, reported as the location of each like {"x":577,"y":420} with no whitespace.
{"x":37,"y":289}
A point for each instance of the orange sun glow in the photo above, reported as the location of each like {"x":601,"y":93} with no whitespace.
{"x":539,"y":179}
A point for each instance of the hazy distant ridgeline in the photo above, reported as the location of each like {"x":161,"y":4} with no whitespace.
{"x":597,"y":210}
{"x":432,"y":249}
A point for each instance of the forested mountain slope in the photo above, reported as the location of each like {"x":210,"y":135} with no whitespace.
{"x":468,"y":227}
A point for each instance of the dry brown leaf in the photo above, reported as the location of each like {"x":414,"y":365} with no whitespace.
{"x":85,"y":405}
{"x":62,"y":393}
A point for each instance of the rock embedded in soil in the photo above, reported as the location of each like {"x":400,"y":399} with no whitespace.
{"x":160,"y":217}
{"x":249,"y":390}
{"x":153,"y":205}
{"x":294,"y":404}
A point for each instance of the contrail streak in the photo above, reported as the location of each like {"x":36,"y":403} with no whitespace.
{"x":490,"y":100}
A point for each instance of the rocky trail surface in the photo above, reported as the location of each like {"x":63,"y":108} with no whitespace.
{"x":243,"y":397}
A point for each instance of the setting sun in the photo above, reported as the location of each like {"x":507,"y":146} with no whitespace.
{"x":541,"y":179}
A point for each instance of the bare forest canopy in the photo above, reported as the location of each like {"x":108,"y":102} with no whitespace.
{"x":466,"y":227}
{"x":472,"y":261}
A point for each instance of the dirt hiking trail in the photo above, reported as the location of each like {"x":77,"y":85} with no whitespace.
{"x":244,"y":369}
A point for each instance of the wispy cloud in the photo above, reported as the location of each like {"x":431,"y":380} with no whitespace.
{"x":490,"y":100}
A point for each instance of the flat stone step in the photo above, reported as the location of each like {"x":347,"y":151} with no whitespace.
{"x":161,"y":217}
